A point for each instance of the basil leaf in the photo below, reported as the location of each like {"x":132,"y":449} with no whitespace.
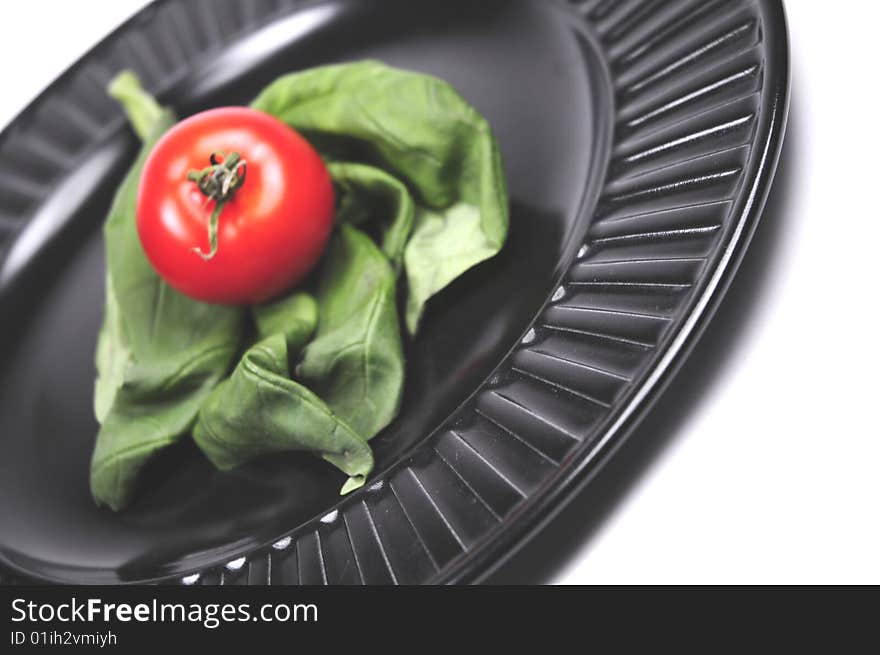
{"x":260,"y":410}
{"x":366,"y":195}
{"x":112,"y":355}
{"x":348,"y":384}
{"x":355,"y":362}
{"x":419,"y":129}
{"x":443,"y":245}
{"x":159,"y":353}
{"x":294,"y":316}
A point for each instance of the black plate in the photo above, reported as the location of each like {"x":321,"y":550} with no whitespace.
{"x":640,"y":139}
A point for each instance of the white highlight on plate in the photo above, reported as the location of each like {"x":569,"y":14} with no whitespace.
{"x":282,"y":544}
{"x":236,"y":564}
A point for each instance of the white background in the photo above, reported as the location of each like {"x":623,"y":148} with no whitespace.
{"x":762,"y":462}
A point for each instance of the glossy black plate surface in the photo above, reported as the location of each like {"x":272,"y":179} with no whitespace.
{"x":640,"y":139}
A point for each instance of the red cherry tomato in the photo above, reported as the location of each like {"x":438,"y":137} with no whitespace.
{"x":272,"y":225}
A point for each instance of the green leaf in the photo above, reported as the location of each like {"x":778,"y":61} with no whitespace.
{"x":420,"y":130}
{"x":348,"y":385}
{"x":295,"y":317}
{"x":144,"y":113}
{"x":260,"y":410}
{"x":112,"y":355}
{"x":159,"y":353}
{"x":355,"y":362}
{"x":367,"y":195}
{"x":452,"y":241}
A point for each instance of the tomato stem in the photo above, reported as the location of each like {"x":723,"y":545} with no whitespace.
{"x":218,"y":182}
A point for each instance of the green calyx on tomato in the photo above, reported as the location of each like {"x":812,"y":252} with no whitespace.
{"x":218,"y":182}
{"x":218,"y":240}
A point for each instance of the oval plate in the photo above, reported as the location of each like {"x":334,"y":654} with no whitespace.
{"x":640,"y":139}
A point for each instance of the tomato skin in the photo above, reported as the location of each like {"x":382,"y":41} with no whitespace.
{"x":271,"y":232}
